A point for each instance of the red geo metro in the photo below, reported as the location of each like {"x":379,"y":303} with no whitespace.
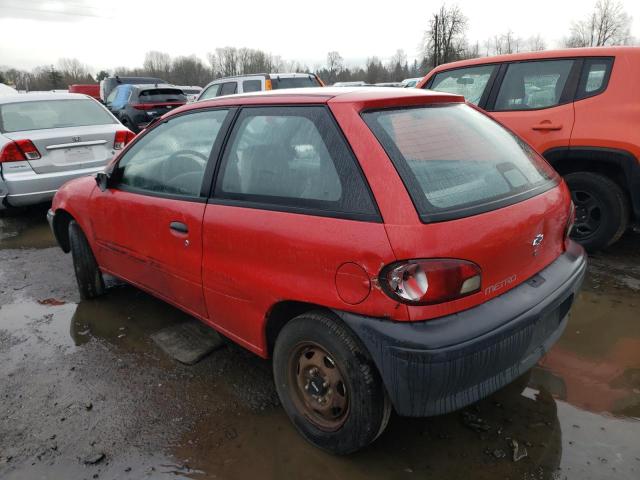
{"x":388,"y":248}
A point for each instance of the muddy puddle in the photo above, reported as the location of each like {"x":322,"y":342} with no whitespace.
{"x":28,"y":229}
{"x":84,"y":391}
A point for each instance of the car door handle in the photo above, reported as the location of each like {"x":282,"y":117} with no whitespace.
{"x":179,"y":227}
{"x":547,"y":126}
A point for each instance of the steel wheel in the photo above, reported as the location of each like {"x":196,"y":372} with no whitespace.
{"x":319,"y":390}
{"x":588,"y":214}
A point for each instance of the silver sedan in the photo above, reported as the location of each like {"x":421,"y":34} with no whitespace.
{"x":48,"y":139}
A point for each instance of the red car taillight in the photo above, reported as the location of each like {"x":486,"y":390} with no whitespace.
{"x":570,"y":221}
{"x":429,"y":281}
{"x":122,"y":138}
{"x":19,"y":151}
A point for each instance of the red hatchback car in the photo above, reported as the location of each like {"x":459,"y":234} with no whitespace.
{"x":389,"y":248}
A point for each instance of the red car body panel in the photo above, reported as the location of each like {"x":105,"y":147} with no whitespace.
{"x":138,"y":245}
{"x":242,"y":261}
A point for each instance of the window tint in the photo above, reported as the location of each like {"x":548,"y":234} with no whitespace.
{"x":172,"y":157}
{"x":293,"y":82}
{"x":595,"y":75}
{"x":210,"y":92}
{"x":470,"y":82}
{"x":160,"y":95}
{"x":531,"y":85}
{"x":292,"y":157}
{"x":43,"y":114}
{"x":228,"y":88}
{"x":456,"y":161}
{"x":252,"y":85}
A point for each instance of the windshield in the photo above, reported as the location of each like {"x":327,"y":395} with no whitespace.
{"x":293,"y":82}
{"x":456,"y":162}
{"x":161,"y":95}
{"x":43,"y":114}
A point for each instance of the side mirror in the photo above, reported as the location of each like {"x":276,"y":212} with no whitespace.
{"x":102,"y":180}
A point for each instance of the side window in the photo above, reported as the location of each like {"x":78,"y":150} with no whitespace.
{"x":210,"y":92}
{"x":228,"y":88}
{"x":172,"y":157}
{"x":296,"y":158}
{"x":595,"y":76}
{"x":532,"y":85}
{"x":252,"y":86}
{"x":470,"y":82}
{"x":112,"y":96}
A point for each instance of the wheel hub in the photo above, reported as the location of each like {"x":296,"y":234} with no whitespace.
{"x":317,"y":386}
{"x":319,"y":389}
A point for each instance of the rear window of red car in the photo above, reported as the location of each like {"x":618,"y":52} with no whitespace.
{"x":456,"y":161}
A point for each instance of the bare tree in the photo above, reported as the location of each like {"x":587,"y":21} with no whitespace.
{"x":536,"y":43}
{"x":72,"y":70}
{"x":157,"y":63}
{"x":608,"y":24}
{"x":504,"y":44}
{"x":227,"y":61}
{"x":444,"y":40}
{"x":213,"y":64}
{"x":189,"y":71}
{"x":335,"y":64}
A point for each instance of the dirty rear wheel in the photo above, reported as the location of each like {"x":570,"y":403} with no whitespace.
{"x":328,"y":384}
{"x":602,"y":210}
{"x":88,"y":275}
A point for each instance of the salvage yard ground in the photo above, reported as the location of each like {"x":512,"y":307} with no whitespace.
{"x":86,"y":393}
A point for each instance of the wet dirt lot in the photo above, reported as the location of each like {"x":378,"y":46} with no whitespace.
{"x":86,"y":393}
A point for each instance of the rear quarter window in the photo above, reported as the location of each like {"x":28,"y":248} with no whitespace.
{"x":457,"y":162}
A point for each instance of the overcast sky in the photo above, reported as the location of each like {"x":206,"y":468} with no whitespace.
{"x":109,"y":33}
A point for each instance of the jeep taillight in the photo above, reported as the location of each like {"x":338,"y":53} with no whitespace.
{"x":122,"y":138}
{"x":430,"y":281}
{"x":19,"y":151}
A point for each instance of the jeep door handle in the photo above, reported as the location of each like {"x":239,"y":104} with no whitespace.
{"x":179,"y":227}
{"x":547,"y":126}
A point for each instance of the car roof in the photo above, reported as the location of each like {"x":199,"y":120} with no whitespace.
{"x":151,"y":86}
{"x":32,"y":97}
{"x":364,"y":97}
{"x":265,"y":75}
{"x":543,"y":54}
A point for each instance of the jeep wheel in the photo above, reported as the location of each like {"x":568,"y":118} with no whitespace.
{"x":328,"y":384}
{"x":602,"y":210}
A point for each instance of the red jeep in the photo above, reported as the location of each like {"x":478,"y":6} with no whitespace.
{"x":580,"y":108}
{"x":387,"y":247}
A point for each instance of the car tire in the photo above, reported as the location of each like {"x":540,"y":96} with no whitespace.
{"x":88,"y":275}
{"x":315,"y":353}
{"x":602,"y":210}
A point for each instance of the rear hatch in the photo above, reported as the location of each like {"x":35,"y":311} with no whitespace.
{"x":481,"y":193}
{"x":156,"y":102}
{"x":68,"y":134}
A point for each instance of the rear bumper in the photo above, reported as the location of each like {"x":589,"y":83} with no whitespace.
{"x":30,"y":188}
{"x":442,"y":365}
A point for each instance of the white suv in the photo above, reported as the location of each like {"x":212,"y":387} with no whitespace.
{"x":258,"y":82}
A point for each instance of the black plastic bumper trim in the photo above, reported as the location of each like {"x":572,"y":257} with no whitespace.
{"x":438,"y":366}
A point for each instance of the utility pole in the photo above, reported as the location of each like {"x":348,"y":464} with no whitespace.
{"x":435,"y":45}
